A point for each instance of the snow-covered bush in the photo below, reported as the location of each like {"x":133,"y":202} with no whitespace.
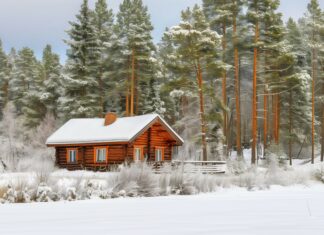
{"x":205,"y":183}
{"x":71,"y":194}
{"x":23,"y":196}
{"x":252,"y":179}
{"x":181,"y":182}
{"x":43,"y":193}
{"x":319,"y":174}
{"x":164,"y":184}
{"x":43,"y":170}
{"x":236,"y":166}
{"x":137,"y":179}
{"x":275,"y":154}
{"x":11,"y":195}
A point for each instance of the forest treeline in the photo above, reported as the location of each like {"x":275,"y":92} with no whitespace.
{"x":230,"y":75}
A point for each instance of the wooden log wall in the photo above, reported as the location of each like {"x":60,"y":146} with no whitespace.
{"x":155,"y":136}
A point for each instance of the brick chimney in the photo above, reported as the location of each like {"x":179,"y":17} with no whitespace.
{"x":110,"y":118}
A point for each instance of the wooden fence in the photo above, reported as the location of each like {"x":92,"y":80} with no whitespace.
{"x":205,"y":167}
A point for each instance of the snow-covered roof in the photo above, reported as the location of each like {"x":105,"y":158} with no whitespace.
{"x":93,"y":130}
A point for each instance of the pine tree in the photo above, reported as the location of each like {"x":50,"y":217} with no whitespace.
{"x":81,"y":86}
{"x":153,"y":103}
{"x":254,"y":13}
{"x":51,"y":72}
{"x":219,"y":16}
{"x":268,"y":35}
{"x":34,"y":110}
{"x":297,"y":95}
{"x":313,"y":26}
{"x":224,"y":17}
{"x":271,"y":53}
{"x":103,"y":23}
{"x":321,"y":61}
{"x":4,"y":79}
{"x":24,"y":74}
{"x":196,"y":46}
{"x":173,"y":89}
{"x":133,"y":51}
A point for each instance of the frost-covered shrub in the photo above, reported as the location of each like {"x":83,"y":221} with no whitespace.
{"x":104,"y":194}
{"x":43,"y":193}
{"x":236,"y":166}
{"x":34,"y":159}
{"x":22,"y":149}
{"x":164,"y":184}
{"x":23,"y":196}
{"x":319,"y":174}
{"x":181,"y":182}
{"x":71,"y":194}
{"x":204,"y":183}
{"x":137,"y":179}
{"x":11,"y":195}
{"x":21,"y":187}
{"x":92,"y":189}
{"x":277,"y":152}
{"x":252,"y":179}
{"x":43,"y":171}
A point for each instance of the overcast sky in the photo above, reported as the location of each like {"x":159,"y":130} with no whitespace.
{"x":35,"y":23}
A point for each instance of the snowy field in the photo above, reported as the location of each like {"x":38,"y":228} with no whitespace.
{"x":280,"y":210}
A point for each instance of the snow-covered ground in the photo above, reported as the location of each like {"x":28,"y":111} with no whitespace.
{"x":280,"y":210}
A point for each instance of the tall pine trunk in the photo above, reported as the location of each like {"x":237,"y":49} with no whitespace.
{"x":254,"y":95}
{"x":322,"y":143}
{"x":314,"y":67}
{"x":322,"y":134}
{"x":290,"y":128}
{"x":273,"y":121}
{"x":278,"y":119}
{"x":265,"y":117}
{"x":132,"y":84}
{"x":127,"y":102}
{"x":224,"y":45}
{"x":313,"y":104}
{"x":202,"y":112}
{"x":101,"y":90}
{"x":237,"y":91}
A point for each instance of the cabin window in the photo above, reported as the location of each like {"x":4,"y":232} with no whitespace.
{"x":138,"y":153}
{"x":72,"y":155}
{"x":159,"y":154}
{"x":101,"y":154}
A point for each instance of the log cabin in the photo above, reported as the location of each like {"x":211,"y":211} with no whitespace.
{"x":100,"y":143}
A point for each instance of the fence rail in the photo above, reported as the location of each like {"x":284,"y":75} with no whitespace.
{"x":205,"y":167}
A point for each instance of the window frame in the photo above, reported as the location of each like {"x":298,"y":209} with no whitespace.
{"x":141,"y":147}
{"x":68,"y":159}
{"x":95,"y":159}
{"x":162,"y":153}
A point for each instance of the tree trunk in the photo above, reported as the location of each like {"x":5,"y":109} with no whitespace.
{"x":278,"y":118}
{"x":101,"y":90}
{"x":290,"y":128}
{"x":202,"y":112}
{"x":224,"y":89}
{"x":237,"y":92}
{"x":322,"y":135}
{"x":274,"y":115}
{"x":265,"y":118}
{"x":322,"y":148}
{"x":254,"y":96}
{"x":127,"y":101}
{"x":132,"y":84}
{"x":313,"y":103}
